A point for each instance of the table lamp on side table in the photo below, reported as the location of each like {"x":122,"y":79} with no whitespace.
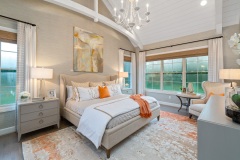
{"x":123,"y":75}
{"x":41,"y":74}
{"x":232,"y":94}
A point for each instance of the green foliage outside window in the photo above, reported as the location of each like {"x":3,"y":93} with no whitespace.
{"x":152,"y":77}
{"x":172,"y":71}
{"x":8,"y":63}
{"x":128,"y":68}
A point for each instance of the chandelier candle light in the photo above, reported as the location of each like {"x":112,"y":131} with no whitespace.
{"x":128,"y":15}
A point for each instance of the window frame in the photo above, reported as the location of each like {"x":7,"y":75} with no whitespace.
{"x":10,"y":106}
{"x":124,"y":88}
{"x":184,"y":78}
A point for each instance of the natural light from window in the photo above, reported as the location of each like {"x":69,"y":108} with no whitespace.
{"x":127,"y":68}
{"x":8,"y":67}
{"x":173,"y":74}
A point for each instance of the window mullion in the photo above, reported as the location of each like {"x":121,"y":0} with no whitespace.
{"x":184,"y":68}
{"x":161,"y":74}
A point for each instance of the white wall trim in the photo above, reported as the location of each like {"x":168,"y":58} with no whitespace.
{"x":8,"y":29}
{"x":171,"y":104}
{"x":7,"y":130}
{"x":76,"y":7}
{"x":180,"y":50}
{"x":162,"y":91}
{"x":7,"y":108}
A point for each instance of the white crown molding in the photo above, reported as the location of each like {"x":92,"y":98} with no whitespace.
{"x":71,"y":5}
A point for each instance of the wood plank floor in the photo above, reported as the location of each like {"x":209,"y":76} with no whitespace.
{"x":11,"y":149}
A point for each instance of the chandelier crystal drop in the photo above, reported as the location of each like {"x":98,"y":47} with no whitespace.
{"x":128,"y":15}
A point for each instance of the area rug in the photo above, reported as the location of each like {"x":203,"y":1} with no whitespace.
{"x":174,"y":137}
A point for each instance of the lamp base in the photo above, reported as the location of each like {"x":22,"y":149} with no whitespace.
{"x":234,"y":114}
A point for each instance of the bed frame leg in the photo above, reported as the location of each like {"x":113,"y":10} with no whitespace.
{"x":108,"y":152}
{"x":158,"y":117}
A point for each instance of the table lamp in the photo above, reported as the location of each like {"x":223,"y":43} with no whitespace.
{"x":230,"y":74}
{"x":41,"y":74}
{"x":123,"y":75}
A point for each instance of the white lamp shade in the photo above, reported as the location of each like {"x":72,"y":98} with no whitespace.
{"x":41,"y":73}
{"x":232,"y":74}
{"x":123,"y":74}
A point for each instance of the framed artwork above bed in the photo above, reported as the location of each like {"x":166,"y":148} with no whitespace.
{"x":87,"y":51}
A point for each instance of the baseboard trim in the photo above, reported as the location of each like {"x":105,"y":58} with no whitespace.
{"x":171,"y":104}
{"x":7,"y":130}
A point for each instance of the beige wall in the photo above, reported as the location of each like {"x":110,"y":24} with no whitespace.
{"x":55,"y":38}
{"x":229,"y":57}
{"x":55,"y":34}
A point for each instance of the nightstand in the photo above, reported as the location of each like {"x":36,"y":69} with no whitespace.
{"x":32,"y":116}
{"x":127,"y":91}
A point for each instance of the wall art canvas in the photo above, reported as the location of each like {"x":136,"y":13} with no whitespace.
{"x":88,"y":51}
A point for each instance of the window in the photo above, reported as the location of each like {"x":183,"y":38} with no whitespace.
{"x":153,"y":75}
{"x":128,"y":68}
{"x":8,"y":62}
{"x":197,"y":72}
{"x":172,"y":74}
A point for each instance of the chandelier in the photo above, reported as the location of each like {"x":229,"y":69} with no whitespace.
{"x":128,"y":15}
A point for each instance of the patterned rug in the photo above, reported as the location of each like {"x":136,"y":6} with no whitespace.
{"x":174,"y":137}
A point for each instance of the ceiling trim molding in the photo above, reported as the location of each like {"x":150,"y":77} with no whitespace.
{"x":71,"y":5}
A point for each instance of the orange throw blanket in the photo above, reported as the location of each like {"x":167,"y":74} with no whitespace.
{"x":145,"y":111}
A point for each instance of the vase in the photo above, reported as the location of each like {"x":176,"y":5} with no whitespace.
{"x":232,"y":108}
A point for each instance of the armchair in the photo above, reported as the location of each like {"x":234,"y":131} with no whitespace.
{"x":197,"y":105}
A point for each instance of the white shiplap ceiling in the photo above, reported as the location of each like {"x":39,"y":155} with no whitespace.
{"x":176,"y":18}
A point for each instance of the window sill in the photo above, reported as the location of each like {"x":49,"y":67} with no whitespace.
{"x":7,"y":108}
{"x":126,"y":89}
{"x":165,"y":92}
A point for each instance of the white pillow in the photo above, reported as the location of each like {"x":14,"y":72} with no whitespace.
{"x":69,"y":92}
{"x":114,"y":89}
{"x":88,"y":93}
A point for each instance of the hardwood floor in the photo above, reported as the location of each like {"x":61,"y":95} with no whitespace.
{"x":11,"y":149}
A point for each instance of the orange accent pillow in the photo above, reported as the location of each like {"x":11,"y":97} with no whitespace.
{"x":212,"y":94}
{"x":103,"y":92}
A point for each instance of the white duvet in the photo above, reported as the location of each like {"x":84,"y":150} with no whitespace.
{"x":96,"y":117}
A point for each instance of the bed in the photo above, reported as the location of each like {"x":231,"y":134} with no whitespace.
{"x":118,"y":129}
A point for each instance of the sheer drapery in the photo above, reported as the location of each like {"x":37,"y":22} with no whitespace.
{"x":215,"y":59}
{"x":121,"y":65}
{"x":134,"y":72}
{"x":26,"y":59}
{"x":141,"y":73}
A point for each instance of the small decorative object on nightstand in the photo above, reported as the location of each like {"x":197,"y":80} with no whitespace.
{"x":32,"y":116}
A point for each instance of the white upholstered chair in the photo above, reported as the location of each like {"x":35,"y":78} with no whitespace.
{"x":197,"y":105}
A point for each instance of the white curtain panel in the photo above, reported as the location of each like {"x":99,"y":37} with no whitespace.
{"x":141,"y":73}
{"x":134,"y":72}
{"x":120,"y":65}
{"x":215,"y":59}
{"x":26,"y":58}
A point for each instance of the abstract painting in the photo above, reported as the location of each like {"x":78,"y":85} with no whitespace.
{"x":88,"y":51}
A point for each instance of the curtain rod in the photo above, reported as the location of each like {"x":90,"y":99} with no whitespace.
{"x":17,"y":20}
{"x":126,"y":50}
{"x":182,"y":44}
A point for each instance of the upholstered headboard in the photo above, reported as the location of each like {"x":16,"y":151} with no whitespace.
{"x":88,"y":77}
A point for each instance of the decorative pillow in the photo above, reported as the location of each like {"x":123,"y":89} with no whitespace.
{"x":108,"y":83}
{"x":96,"y":84}
{"x":69,"y":92}
{"x":75,"y":85}
{"x":88,"y":93}
{"x":103,"y":92}
{"x":114,"y":89}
